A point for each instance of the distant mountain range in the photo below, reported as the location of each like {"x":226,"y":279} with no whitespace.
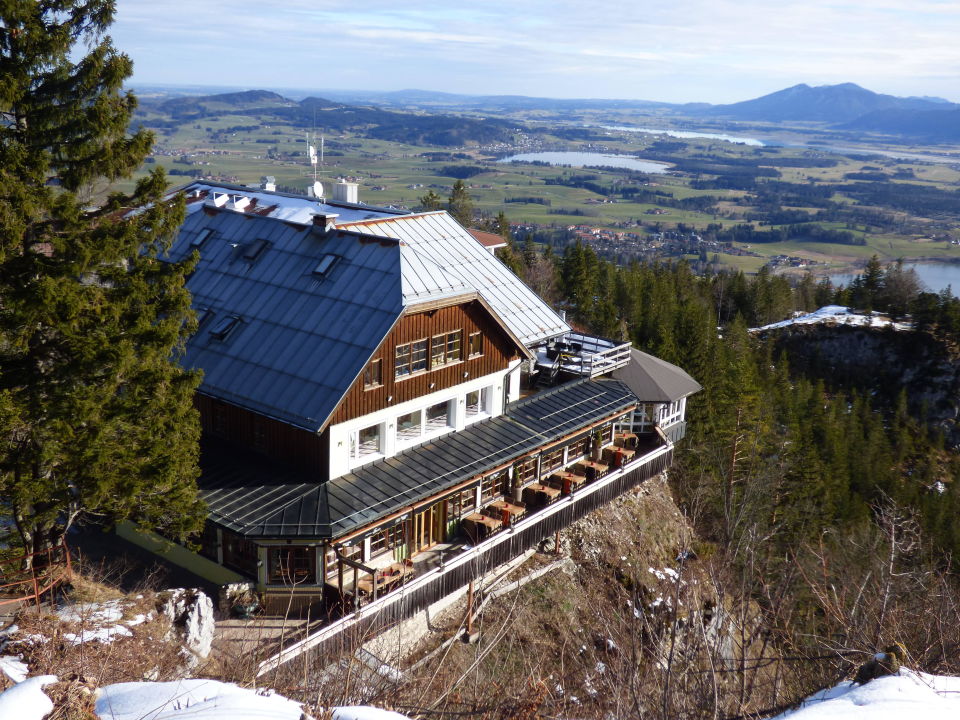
{"x":828,"y":103}
{"x":846,"y":107}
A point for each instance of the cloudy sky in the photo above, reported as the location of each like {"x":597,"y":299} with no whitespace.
{"x":677,"y":51}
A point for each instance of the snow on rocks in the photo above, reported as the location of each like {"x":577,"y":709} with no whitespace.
{"x":906,"y":694}
{"x":836,"y":315}
{"x":190,"y":613}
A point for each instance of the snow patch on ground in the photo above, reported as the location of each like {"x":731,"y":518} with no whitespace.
{"x":14,"y":668}
{"x":836,"y":315}
{"x":194,"y":699}
{"x":27,"y":700}
{"x":100,"y":622}
{"x":907,"y":694}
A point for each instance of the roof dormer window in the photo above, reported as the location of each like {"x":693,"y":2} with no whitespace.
{"x":201,"y":237}
{"x":254,"y":250}
{"x":224,"y":327}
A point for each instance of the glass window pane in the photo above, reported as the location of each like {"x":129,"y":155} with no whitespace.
{"x":409,"y":425}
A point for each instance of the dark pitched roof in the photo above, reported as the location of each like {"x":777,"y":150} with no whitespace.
{"x":301,"y":338}
{"x":655,"y":380}
{"x":256,"y":499}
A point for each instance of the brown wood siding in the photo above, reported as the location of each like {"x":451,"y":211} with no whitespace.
{"x":470,"y":317}
{"x":275,"y":439}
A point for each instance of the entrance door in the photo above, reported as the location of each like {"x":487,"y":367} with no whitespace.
{"x":428,"y":527}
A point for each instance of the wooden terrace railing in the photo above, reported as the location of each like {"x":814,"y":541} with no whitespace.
{"x":456,"y":572}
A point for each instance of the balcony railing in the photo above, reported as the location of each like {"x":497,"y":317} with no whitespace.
{"x":583,"y":355}
{"x":455,"y":573}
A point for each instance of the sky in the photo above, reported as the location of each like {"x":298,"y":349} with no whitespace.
{"x":714,"y":51}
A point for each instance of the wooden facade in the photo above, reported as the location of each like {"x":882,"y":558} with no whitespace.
{"x":275,"y":439}
{"x":469,"y":317}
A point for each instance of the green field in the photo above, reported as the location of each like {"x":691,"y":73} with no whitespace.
{"x":241,"y":147}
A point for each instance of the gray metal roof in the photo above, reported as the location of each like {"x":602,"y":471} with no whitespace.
{"x":282,"y":206}
{"x":255,"y":497}
{"x":655,"y":380}
{"x":442,"y":243}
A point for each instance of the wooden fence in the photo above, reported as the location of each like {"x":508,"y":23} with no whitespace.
{"x":474,"y":562}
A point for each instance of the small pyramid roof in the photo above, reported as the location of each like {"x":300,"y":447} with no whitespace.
{"x":654,"y":380}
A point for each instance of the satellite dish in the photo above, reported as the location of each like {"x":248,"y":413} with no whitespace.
{"x":317,"y":189}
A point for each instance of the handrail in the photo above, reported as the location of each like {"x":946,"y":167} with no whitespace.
{"x":331,"y":630}
{"x":40,"y":583}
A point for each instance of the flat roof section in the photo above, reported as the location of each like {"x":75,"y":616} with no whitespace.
{"x":258,"y":498}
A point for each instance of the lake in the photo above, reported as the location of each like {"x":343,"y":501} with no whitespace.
{"x":935,"y":275}
{"x":689,"y":134}
{"x":589,"y":159}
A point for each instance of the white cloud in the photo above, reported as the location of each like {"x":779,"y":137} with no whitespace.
{"x":724,"y":50}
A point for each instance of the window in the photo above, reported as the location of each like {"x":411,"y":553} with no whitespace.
{"x":410,"y":426}
{"x":373,"y":375}
{"x":325,"y":265}
{"x":239,"y":553}
{"x":460,"y":504}
{"x":445,"y":349}
{"x":224,"y":327}
{"x":577,"y":449}
{"x":200,"y":237}
{"x":368,"y":441}
{"x":411,"y":358}
{"x":551,"y":461}
{"x":204,"y":316}
{"x":474,"y":408}
{"x":475,"y":344}
{"x":492,"y":486}
{"x":291,"y":565}
{"x":386,"y":540}
{"x":524,"y":470}
{"x":254,"y":250}
{"x":330,"y":558}
{"x":208,"y":541}
{"x":438,"y":416}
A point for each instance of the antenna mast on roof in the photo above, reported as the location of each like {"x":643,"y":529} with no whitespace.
{"x":317,"y":188}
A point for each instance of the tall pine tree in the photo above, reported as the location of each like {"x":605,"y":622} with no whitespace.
{"x":96,"y":416}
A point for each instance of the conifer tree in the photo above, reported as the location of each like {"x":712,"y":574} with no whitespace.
{"x":96,"y":416}
{"x":460,"y":204}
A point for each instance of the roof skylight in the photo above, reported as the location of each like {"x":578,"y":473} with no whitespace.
{"x":200,"y":237}
{"x":254,"y":250}
{"x":325,"y":265}
{"x":224,"y":327}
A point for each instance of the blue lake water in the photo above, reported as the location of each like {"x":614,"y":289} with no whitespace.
{"x":585,"y":159}
{"x":689,"y":134}
{"x":936,"y":276}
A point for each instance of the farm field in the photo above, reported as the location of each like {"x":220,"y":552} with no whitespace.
{"x":712,"y":186}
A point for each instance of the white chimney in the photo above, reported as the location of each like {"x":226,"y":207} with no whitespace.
{"x":268,"y":183}
{"x":345,"y":192}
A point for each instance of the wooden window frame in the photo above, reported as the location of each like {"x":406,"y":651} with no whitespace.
{"x":385,"y":540}
{"x":446,"y":349}
{"x":373,"y":374}
{"x":299,"y":570}
{"x":406,"y":357}
{"x":475,"y":338}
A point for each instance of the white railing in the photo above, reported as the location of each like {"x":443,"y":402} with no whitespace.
{"x":590,"y":356}
{"x":375,"y":607}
